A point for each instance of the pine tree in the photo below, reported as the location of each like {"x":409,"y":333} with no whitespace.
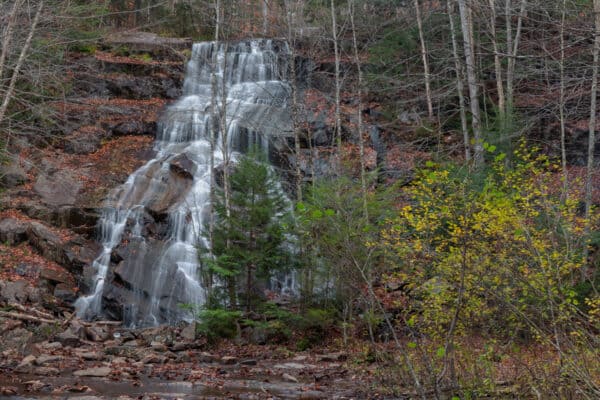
{"x":249,"y":241}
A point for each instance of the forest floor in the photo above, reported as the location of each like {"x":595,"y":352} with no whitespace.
{"x":43,"y":357}
{"x":105,"y":361}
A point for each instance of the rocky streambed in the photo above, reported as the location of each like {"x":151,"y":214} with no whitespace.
{"x":104,"y":361}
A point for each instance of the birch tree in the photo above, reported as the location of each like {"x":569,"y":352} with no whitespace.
{"x":336,"y":52}
{"x":214,"y":117}
{"x":561,"y":111}
{"x":465,"y":22}
{"x":592,"y":126}
{"x":359,"y":106}
{"x":460,"y":87}
{"x":9,"y":92}
{"x":512,"y":46}
{"x":289,"y":10}
{"x":426,"y":74}
{"x":7,"y":35}
{"x":265,"y":12}
{"x":497,"y":61}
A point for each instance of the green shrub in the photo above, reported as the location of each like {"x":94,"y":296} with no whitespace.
{"x":219,"y":323}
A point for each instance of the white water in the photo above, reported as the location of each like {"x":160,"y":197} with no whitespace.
{"x":166,"y":273}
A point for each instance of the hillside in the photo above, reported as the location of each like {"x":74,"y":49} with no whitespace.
{"x":325,"y":199}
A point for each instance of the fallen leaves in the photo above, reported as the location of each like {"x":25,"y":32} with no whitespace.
{"x":115,"y":59}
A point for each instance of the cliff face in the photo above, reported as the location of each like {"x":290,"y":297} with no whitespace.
{"x":54,"y":184}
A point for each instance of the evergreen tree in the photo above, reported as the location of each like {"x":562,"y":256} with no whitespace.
{"x":249,"y":242}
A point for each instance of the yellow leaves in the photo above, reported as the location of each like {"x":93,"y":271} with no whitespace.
{"x":512,"y":239}
{"x":593,"y":305}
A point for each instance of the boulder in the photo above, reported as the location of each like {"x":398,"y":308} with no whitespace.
{"x":229,"y":360}
{"x":289,"y":378}
{"x":134,"y":128}
{"x":12,"y":175}
{"x":154,"y":359}
{"x":97,"y":333}
{"x":58,"y":188}
{"x":183,"y":358}
{"x":99,"y":372}
{"x":13,"y":231}
{"x":14,"y":292}
{"x":133,"y":343}
{"x":27,"y":270}
{"x":51,"y":345}
{"x":46,"y":242}
{"x":131,"y":87}
{"x":46,"y":371}
{"x":82,"y":144}
{"x":92,"y":356}
{"x":123,"y":351}
{"x":183,"y":166}
{"x":65,"y":293}
{"x":57,"y":275}
{"x":205,"y":357}
{"x":45,"y":359}
{"x":180,"y":346}
{"x":68,"y":338}
{"x":159,"y":347}
{"x":295,"y":366}
{"x":332,"y":357}
{"x":37,"y":386}
{"x":160,"y":334}
{"x":28,"y":360}
{"x":189,"y":332}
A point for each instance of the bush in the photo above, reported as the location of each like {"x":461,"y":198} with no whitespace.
{"x":219,"y":323}
{"x":506,"y":248}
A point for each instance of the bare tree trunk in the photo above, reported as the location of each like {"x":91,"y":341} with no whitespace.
{"x":213,"y":117}
{"x":472,"y":82}
{"x":512,"y":49}
{"x":361,"y":144}
{"x":221,"y":110}
{"x":7,"y":35}
{"x":509,"y":35}
{"x":265,"y":11}
{"x":15,"y":74}
{"x":460,"y":87}
{"x":338,"y":117}
{"x":563,"y":151}
{"x":294,"y":88}
{"x":592,"y":133}
{"x":497,"y":64}
{"x":426,"y":73}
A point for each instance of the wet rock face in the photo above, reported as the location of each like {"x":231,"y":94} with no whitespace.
{"x":166,"y":188}
{"x":183,"y":166}
{"x":104,"y":133}
{"x":132,"y":284}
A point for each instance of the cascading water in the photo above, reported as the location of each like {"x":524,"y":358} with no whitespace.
{"x":156,"y":268}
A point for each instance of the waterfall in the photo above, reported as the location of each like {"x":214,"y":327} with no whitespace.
{"x":151,"y":225}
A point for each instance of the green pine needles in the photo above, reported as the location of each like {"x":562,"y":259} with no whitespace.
{"x":249,"y":236}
